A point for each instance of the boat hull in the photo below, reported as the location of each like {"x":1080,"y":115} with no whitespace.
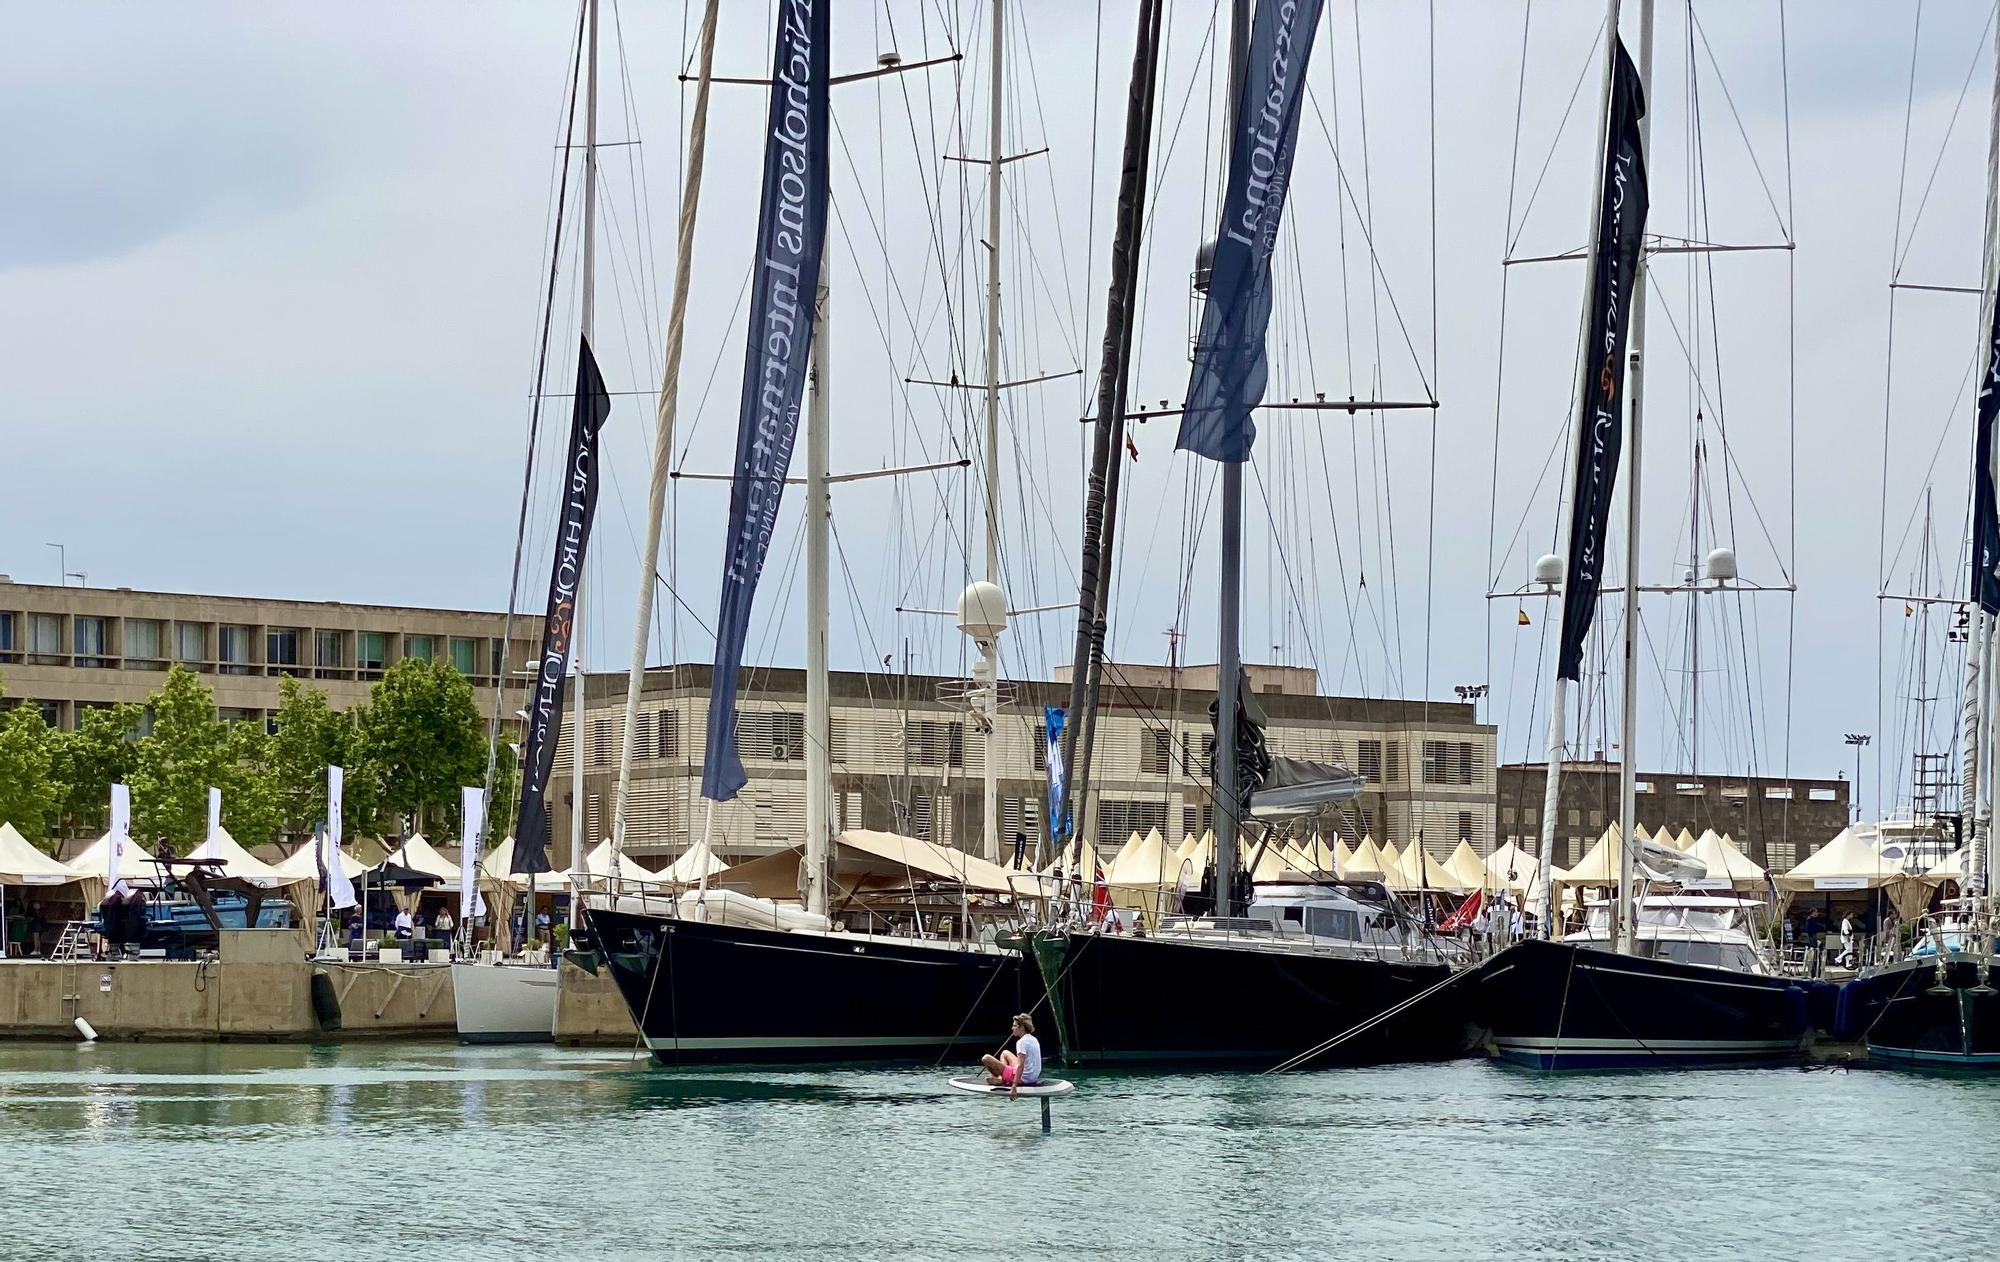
{"x":1558,"y":1005}
{"x":704,"y":993}
{"x":504,"y":1003}
{"x":1909,"y":1014}
{"x":1164,"y":1000}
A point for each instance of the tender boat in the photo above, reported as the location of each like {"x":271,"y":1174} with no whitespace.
{"x":1935,"y":1006}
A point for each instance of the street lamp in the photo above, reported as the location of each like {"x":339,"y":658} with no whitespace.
{"x":1859,"y":740}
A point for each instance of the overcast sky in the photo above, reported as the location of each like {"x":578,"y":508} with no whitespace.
{"x":270,"y":286}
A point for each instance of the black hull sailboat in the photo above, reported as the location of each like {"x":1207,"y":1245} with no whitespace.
{"x":705,"y":993}
{"x":1918,"y":1012}
{"x":1262,"y":1004}
{"x":1565,"y":1005}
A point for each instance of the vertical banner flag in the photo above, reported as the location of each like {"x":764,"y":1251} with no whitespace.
{"x":339,"y":886}
{"x":1614,"y":272}
{"x":545,"y":708}
{"x":121,"y":832}
{"x":1054,"y":719}
{"x":1229,"y":365}
{"x":1985,"y":508}
{"x":472,"y":802}
{"x":210,"y":847}
{"x":790,"y":230}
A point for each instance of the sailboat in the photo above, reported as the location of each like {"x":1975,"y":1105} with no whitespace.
{"x":721,"y":975}
{"x":1643,"y":985}
{"x":1309,"y":970}
{"x":1938,"y":1004}
{"x":515,"y":1001}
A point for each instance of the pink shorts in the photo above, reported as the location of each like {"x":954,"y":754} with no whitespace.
{"x":1008,"y":1074}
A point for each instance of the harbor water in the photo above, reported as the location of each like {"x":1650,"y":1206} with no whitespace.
{"x":440,"y":1152}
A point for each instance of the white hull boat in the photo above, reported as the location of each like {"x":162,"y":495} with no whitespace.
{"x":504,"y":1003}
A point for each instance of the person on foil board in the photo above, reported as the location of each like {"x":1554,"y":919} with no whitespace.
{"x":1019,"y":1063}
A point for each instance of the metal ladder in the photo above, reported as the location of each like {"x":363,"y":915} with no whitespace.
{"x":75,"y":942}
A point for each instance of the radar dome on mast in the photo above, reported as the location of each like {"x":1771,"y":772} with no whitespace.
{"x":1549,"y":570}
{"x":982,"y":611}
{"x":1722,"y":565}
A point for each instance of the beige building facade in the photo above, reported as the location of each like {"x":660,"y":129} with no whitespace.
{"x":906,"y":758}
{"x":67,"y":648}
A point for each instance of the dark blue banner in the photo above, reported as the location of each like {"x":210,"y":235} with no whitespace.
{"x":1229,"y":365}
{"x":1600,"y":426}
{"x":1058,"y":777}
{"x":1985,"y":508}
{"x":790,"y":230}
{"x":545,"y":709}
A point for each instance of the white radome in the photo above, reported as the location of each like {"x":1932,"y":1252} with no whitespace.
{"x":982,"y":610}
{"x":1549,"y":570}
{"x":1722,"y":565}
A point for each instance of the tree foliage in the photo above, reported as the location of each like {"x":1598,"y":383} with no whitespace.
{"x":27,"y":790}
{"x":422,"y":737}
{"x":84,"y":763}
{"x":187,"y":751}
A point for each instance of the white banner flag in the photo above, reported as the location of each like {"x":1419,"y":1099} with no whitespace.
{"x":121,"y":832}
{"x":207,"y":850}
{"x":339,"y":888}
{"x":470,"y":904}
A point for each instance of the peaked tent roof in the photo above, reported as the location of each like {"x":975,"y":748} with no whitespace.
{"x":1725,"y":862}
{"x":1143,"y":861}
{"x":1949,"y":868}
{"x":1418,"y":870}
{"x":1848,"y":861}
{"x":1366,"y":861}
{"x":22,"y":863}
{"x":1467,"y":866}
{"x":302,"y":865}
{"x":493,"y":869}
{"x":95,"y":860}
{"x":1342,"y":855}
{"x":598,"y":863}
{"x":424,"y":857}
{"x":1511,"y":858}
{"x":697,"y":861}
{"x":238,"y":862}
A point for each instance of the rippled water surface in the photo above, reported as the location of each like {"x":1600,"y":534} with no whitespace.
{"x":430,"y":1152}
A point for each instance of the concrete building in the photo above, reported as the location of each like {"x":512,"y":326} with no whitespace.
{"x":906,"y":758}
{"x":62,"y":648}
{"x":1776,"y":821}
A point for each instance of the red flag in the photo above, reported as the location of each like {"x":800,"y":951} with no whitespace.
{"x":1464,"y":916}
{"x":1100,"y":896}
{"x":1131,"y":447}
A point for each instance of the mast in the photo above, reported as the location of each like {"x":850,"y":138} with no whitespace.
{"x":587,"y":309}
{"x":1977,"y":796}
{"x":1559,"y":694}
{"x":1229,"y":580}
{"x":1628,"y":720}
{"x":663,"y":437}
{"x":989,"y":648}
{"x":819,"y":724}
{"x":1101,"y":497}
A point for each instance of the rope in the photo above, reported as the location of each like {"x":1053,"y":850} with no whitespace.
{"x":1312,"y":1052}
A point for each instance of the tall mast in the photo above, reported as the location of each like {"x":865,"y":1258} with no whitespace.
{"x":663,"y":436}
{"x":989,"y":648}
{"x":1628,"y":722}
{"x":1229,"y":582}
{"x":587,"y":309}
{"x":1977,"y":795}
{"x":819,"y":723}
{"x":1559,"y":694}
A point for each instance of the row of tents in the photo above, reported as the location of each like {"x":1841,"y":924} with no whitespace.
{"x":1146,"y":870}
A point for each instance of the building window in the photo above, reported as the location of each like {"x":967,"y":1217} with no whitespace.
{"x":90,"y":635}
{"x":327,"y":655}
{"x":142,"y":645}
{"x":935,"y":744}
{"x":421,"y":647}
{"x":465,"y":655}
{"x":232,"y":715}
{"x":1437,"y":762}
{"x":1207,"y":762}
{"x":281,"y":651}
{"x":370,"y":650}
{"x":600,"y":742}
{"x":777,"y":736}
{"x":1371,"y":761}
{"x":232,"y":649}
{"x":1575,"y":816}
{"x":1465,"y":825}
{"x":1041,"y":750}
{"x":45,"y":645}
{"x":190,"y":643}
{"x":1395,"y":762}
{"x":1118,"y":819}
{"x":7,"y":653}
{"x":1465,"y":767}
{"x":1155,"y":749}
{"x":1506,"y":817}
{"x":670,"y":734}
{"x":497,"y":654}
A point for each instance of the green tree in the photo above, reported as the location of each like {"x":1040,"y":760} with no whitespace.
{"x":27,"y":786}
{"x":505,"y":798}
{"x":311,"y":737}
{"x":253,"y":808}
{"x":423,"y":739}
{"x":187,"y":751}
{"x":86,"y":762}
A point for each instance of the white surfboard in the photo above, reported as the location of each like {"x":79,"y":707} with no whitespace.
{"x":976,"y":1084}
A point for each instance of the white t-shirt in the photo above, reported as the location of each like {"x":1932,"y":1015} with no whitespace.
{"x":1029,"y":1049}
{"x":405,"y":926}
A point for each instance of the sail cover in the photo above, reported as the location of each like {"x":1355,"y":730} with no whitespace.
{"x":1296,"y":787}
{"x":790,"y":230}
{"x":531,"y":851}
{"x":1985,"y":509}
{"x":1600,"y":434}
{"x":1229,"y":365}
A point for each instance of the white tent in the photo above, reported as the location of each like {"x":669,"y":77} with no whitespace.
{"x":1140,"y":871}
{"x":1366,"y":863}
{"x":21,"y":863}
{"x":1467,"y":866}
{"x":1419,"y":871}
{"x":1851,"y":862}
{"x":422,"y":856}
{"x":493,"y":871}
{"x":303,"y":865}
{"x":236,"y":861}
{"x":95,"y":860}
{"x":1949,"y":868}
{"x":1728,"y":867}
{"x":695,"y":862}
{"x":598,"y":863}
{"x":1510,"y":858}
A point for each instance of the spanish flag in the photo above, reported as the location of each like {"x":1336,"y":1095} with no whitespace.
{"x":1521,"y":617}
